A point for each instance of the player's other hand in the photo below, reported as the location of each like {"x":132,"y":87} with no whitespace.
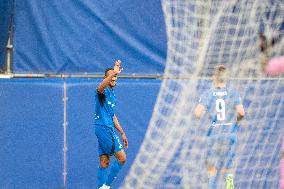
{"x":125,"y":141}
{"x":117,"y":67}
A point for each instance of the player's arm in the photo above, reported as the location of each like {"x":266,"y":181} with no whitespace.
{"x":199,"y":110}
{"x":120,"y":130}
{"x":239,"y":107}
{"x":240,"y":112}
{"x":116,"y":70}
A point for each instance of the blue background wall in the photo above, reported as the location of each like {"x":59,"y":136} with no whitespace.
{"x":88,"y":35}
{"x":31,"y":130}
{"x":31,"y":134}
{"x":6,"y":12}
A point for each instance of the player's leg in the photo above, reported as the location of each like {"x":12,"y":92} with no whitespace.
{"x":120,"y":157}
{"x":118,"y":163}
{"x":212,"y":176}
{"x":229,"y":167}
{"x":103,"y":172}
{"x":212,"y":163}
{"x":105,"y":149}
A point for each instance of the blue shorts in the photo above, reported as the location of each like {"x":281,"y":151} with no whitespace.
{"x":221,"y":154}
{"x":108,"y":140}
{"x":221,"y":149}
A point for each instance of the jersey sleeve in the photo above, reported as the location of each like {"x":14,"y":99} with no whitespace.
{"x":203,"y":99}
{"x":237,"y":98}
{"x":101,"y":96}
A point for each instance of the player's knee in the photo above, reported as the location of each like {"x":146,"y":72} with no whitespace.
{"x":211,"y":170}
{"x":121,"y":157}
{"x":104,"y":164}
{"x":122,"y":160}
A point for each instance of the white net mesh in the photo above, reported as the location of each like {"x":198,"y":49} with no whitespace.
{"x":202,"y":34}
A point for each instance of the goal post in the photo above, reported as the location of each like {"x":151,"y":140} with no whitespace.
{"x":200,"y":35}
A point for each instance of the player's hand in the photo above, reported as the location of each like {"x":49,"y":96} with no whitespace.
{"x":125,"y":141}
{"x":117,"y":67}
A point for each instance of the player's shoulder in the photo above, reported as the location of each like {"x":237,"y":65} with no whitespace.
{"x":205,"y":93}
{"x":233,"y":92}
{"x":204,"y":96}
{"x":106,"y":90}
{"x":230,"y":89}
{"x":109,"y":92}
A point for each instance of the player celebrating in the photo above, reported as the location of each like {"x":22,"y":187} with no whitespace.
{"x":105,"y":122}
{"x":222,"y":105}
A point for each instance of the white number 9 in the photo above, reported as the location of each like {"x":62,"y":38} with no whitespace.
{"x":220,"y":108}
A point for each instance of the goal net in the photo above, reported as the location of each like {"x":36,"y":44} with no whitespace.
{"x":202,"y":34}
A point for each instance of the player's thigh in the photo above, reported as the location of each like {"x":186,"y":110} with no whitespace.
{"x":120,"y":156}
{"x":105,"y":140}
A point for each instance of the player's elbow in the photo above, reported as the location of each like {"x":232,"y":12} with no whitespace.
{"x":123,"y":161}
{"x":198,"y":111}
{"x":197,"y":114}
{"x":242,"y":113}
{"x":100,"y":89}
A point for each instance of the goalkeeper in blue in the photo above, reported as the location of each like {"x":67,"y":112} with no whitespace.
{"x":224,"y":109}
{"x":105,"y":124}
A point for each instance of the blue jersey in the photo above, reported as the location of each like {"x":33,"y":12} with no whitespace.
{"x":105,"y":107}
{"x":220,"y":104}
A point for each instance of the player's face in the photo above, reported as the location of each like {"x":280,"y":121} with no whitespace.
{"x":113,"y":82}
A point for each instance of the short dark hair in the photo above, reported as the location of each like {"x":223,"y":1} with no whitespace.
{"x":220,"y":68}
{"x":220,"y":73}
{"x":106,"y":70}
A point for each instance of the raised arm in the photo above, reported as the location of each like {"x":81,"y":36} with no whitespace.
{"x":120,"y":130}
{"x":109,"y":75}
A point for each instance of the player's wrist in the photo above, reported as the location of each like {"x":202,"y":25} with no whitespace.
{"x":239,"y":118}
{"x":112,"y":73}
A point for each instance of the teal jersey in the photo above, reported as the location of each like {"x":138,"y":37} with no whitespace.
{"x":105,"y":107}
